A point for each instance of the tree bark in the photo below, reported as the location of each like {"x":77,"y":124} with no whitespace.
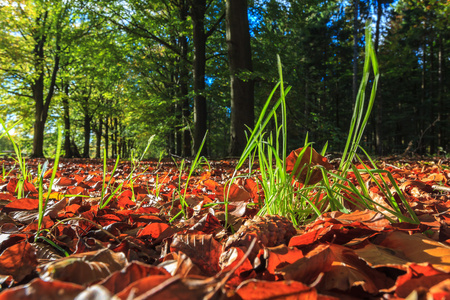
{"x":65,"y":100}
{"x":106,"y":135}
{"x":199,"y":39}
{"x":87,"y":134}
{"x":379,"y":100}
{"x":42,"y":102}
{"x":239,"y":61}
{"x":184,"y":87}
{"x":98,"y":135}
{"x":355,"y":49}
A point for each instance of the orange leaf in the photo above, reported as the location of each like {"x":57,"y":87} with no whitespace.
{"x":19,"y":260}
{"x":133,"y":272}
{"x":258,"y":289}
{"x":202,"y":249}
{"x":419,"y":249}
{"x":153,"y":230}
{"x":309,"y":159}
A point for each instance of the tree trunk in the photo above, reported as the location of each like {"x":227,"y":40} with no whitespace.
{"x":431,"y":136}
{"x":87,"y":135}
{"x":184,"y":87}
{"x":199,"y":39}
{"x":114,"y":135}
{"x":98,"y":135}
{"x":355,"y":49}
{"x":379,"y":100}
{"x":440,"y":137}
{"x":239,"y":61}
{"x":377,"y":25}
{"x":106,"y":136}
{"x":65,"y":100}
{"x":42,"y":103}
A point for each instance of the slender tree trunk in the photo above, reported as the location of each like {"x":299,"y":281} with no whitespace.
{"x":184,"y":86}
{"x":440,"y":97}
{"x":98,"y":135}
{"x":377,"y":25}
{"x":87,"y":135}
{"x":239,"y":60}
{"x":379,"y":100}
{"x":199,"y":39}
{"x":107,"y":136}
{"x":431,"y":137}
{"x":355,"y":49}
{"x":65,"y":101}
{"x":422,"y":98}
{"x":42,"y":103}
{"x":114,"y":135}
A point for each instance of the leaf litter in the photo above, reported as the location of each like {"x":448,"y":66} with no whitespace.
{"x":130,"y":250}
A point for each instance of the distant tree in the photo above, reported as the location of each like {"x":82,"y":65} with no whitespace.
{"x":241,"y":81}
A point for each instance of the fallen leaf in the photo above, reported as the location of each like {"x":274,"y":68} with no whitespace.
{"x":39,"y":289}
{"x":306,"y":165}
{"x":83,"y":268}
{"x":18,"y":260}
{"x":202,"y":249}
{"x":417,"y":277}
{"x":134,"y":271}
{"x":418,"y":248}
{"x":289,"y":290}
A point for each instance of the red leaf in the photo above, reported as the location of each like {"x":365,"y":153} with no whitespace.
{"x":18,"y":260}
{"x":418,"y":277}
{"x":152,"y":230}
{"x":280,"y":256}
{"x":21,"y":204}
{"x":309,"y":159}
{"x":64,"y":181}
{"x":202,"y":249}
{"x":256,"y":290}
{"x":135,"y":271}
{"x":229,"y":259}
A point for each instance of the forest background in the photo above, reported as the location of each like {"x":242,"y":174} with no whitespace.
{"x":117,"y":72}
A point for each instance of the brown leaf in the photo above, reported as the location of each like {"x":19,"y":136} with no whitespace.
{"x":142,"y":285}
{"x":95,"y":292}
{"x":379,"y":256}
{"x":280,"y":256}
{"x":83,"y":268}
{"x":419,"y":277}
{"x":176,"y":288}
{"x":257,"y":289}
{"x":202,"y":249}
{"x":309,"y":159}
{"x":308,"y":268}
{"x":441,"y":290}
{"x":419,"y":249}
{"x":209,"y":224}
{"x":39,"y":289}
{"x":229,"y":260}
{"x":348,"y":271}
{"x":18,"y":260}
{"x":133,"y":272}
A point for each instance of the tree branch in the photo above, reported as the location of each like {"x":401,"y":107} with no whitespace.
{"x":215,"y":26}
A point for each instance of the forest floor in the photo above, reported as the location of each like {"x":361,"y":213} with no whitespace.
{"x":134,"y":248}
